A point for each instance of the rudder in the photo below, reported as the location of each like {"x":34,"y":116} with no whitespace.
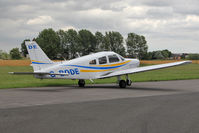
{"x":37,"y":56}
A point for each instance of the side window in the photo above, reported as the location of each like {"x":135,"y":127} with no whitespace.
{"x":93,"y":62}
{"x":102,"y":60}
{"x":113,"y":58}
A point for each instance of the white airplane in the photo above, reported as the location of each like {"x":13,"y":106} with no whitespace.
{"x":94,"y":66}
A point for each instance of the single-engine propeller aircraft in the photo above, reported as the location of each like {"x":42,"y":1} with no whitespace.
{"x":94,"y":66}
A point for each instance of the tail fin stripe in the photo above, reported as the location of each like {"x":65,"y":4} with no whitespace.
{"x":40,"y":63}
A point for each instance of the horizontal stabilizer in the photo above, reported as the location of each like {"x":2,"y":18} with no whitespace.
{"x":37,"y":73}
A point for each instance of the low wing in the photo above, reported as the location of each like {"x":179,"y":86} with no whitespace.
{"x":145,"y":68}
{"x":37,"y":73}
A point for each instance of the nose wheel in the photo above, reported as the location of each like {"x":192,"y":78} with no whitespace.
{"x":81,"y":83}
{"x":128,"y":82}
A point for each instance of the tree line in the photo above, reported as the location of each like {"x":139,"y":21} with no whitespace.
{"x":13,"y":54}
{"x":67,"y":44}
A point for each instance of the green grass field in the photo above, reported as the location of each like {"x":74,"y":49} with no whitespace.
{"x":190,"y":71}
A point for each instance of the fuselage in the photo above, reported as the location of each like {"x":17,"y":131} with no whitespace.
{"x":91,"y":66}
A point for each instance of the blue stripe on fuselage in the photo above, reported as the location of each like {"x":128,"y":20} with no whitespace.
{"x":101,"y":68}
{"x":89,"y":67}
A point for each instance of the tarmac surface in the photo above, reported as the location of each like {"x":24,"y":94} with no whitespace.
{"x":145,"y":107}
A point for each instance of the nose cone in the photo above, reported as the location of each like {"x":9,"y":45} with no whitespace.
{"x":134,"y":62}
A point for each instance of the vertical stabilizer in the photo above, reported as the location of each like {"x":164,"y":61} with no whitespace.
{"x":37,"y":56}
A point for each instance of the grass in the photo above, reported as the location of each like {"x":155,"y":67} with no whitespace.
{"x":190,"y":71}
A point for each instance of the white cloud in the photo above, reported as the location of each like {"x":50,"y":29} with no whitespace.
{"x":147,"y":24}
{"x":65,"y":28}
{"x":135,"y":11}
{"x":23,"y":8}
{"x":40,"y":20}
{"x":192,"y":18}
{"x":97,"y":13}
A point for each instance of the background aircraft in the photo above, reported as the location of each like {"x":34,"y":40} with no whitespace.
{"x":94,"y":66}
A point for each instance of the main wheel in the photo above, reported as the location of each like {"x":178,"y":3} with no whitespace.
{"x":81,"y":83}
{"x":122,"y":84}
{"x":128,"y":82}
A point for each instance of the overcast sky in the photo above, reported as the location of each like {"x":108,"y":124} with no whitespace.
{"x":166,"y":24}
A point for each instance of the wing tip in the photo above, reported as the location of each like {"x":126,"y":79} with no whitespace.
{"x":188,"y":62}
{"x":10,"y":72}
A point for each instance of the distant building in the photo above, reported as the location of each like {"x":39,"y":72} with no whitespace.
{"x":176,"y":56}
{"x":179,"y":56}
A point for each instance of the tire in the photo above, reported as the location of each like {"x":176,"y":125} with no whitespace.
{"x":81,"y":83}
{"x":128,"y":82}
{"x":122,"y":84}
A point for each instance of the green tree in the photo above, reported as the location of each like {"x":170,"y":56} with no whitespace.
{"x":64,"y":49}
{"x":132,"y":42}
{"x":1,"y":51}
{"x":149,"y":56}
{"x":49,"y":42}
{"x":5,"y":56}
{"x":23,"y":48}
{"x":136,"y":45}
{"x":142,"y":47}
{"x":15,"y":54}
{"x":166,"y":53}
{"x":114,"y":42}
{"x":158,"y":55}
{"x":99,"y":41}
{"x":87,"y":42}
{"x":72,"y":43}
